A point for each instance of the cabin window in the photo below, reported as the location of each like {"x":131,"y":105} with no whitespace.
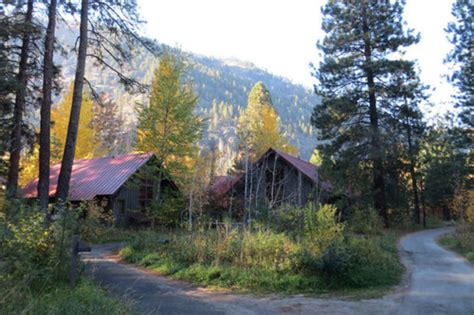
{"x":146,"y":192}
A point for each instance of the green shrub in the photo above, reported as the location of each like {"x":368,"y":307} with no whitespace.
{"x":31,"y":253}
{"x":230,"y":248}
{"x":34,"y":266}
{"x":366,"y":221}
{"x":267,"y":250}
{"x":288,"y":219}
{"x":370,"y":264}
{"x":320,"y":256}
{"x":322,"y":228}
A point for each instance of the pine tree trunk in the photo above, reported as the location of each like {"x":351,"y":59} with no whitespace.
{"x":422,"y":197}
{"x":70,"y":147}
{"x":414,"y":184}
{"x":378,"y":171}
{"x":45,"y":124}
{"x":20,"y":100}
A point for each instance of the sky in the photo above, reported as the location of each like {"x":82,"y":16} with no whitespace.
{"x":280,"y":35}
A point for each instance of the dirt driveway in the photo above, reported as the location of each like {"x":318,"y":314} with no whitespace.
{"x":438,"y":282}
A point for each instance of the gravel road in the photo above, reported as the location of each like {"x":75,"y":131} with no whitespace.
{"x":438,"y":281}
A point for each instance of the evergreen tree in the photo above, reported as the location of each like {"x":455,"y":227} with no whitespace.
{"x":20,"y":102}
{"x":259,"y":126}
{"x":445,"y":169}
{"x":461,"y":34}
{"x":360,"y":60}
{"x":45,"y":121}
{"x":19,"y":33}
{"x":8,"y":84}
{"x":409,"y":127}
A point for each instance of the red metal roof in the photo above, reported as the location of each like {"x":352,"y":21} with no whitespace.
{"x":92,"y":177}
{"x":222,"y":184}
{"x":310,"y":170}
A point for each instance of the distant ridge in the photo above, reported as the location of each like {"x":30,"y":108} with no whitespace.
{"x":222,"y":86}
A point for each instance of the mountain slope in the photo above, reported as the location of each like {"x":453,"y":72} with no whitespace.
{"x":222,"y":87}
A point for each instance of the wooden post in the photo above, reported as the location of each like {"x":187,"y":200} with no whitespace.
{"x":73,"y":275}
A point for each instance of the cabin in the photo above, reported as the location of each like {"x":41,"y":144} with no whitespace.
{"x":274,"y":179}
{"x":122,"y":184}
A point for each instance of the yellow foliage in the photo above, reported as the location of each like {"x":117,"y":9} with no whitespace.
{"x":87,"y":145}
{"x":259,"y":125}
{"x":168,"y":127}
{"x":29,"y":167}
{"x":316,"y":158}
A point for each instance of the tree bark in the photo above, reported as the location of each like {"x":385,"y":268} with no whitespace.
{"x":70,"y":147}
{"x":414,"y":184}
{"x":378,"y":170}
{"x":45,"y":123}
{"x":422,"y":196}
{"x":20,"y":100}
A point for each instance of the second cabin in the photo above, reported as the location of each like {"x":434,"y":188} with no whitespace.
{"x":276,"y":178}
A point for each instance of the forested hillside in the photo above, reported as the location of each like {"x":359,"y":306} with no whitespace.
{"x":222,"y":87}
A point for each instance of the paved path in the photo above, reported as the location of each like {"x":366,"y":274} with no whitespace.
{"x":438,"y":282}
{"x":441,"y":282}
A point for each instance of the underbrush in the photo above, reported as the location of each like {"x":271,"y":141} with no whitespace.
{"x":322,"y":257}
{"x":85,"y":298}
{"x":461,"y":241}
{"x":35,"y":266}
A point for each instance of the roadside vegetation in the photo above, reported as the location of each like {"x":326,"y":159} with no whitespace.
{"x":35,"y":267}
{"x":320,"y":254}
{"x":462,"y":239}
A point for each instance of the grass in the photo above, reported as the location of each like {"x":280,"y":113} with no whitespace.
{"x":95,"y":232}
{"x":372,"y":268}
{"x":86,"y":298}
{"x":103,"y":235}
{"x":461,"y":241}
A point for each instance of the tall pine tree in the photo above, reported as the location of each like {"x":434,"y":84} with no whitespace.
{"x":360,"y":58}
{"x":45,"y":121}
{"x":20,"y":102}
{"x":19,"y":68}
{"x":461,"y":34}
